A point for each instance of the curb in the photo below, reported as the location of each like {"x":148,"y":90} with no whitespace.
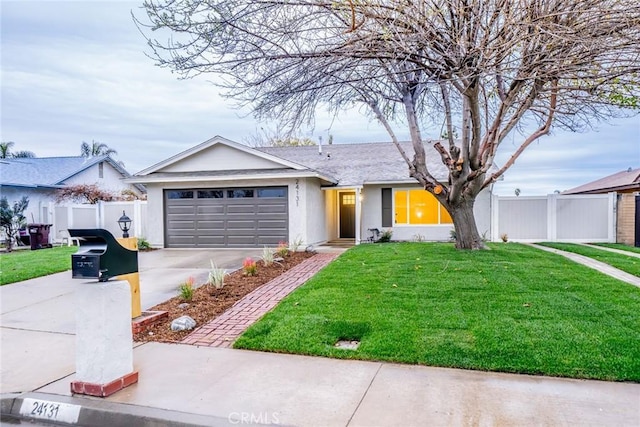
{"x":98,"y":412}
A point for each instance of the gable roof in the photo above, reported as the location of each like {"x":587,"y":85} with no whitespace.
{"x":210,"y":143}
{"x":49,"y":172}
{"x":337,"y":164}
{"x":360,"y":163}
{"x":625,"y":180}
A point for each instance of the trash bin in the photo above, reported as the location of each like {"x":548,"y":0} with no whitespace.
{"x":39,"y":235}
{"x":24,"y":236}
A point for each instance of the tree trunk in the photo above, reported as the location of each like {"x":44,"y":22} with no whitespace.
{"x":467,"y":236}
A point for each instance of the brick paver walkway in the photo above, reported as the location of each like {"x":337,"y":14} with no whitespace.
{"x":226,"y":328}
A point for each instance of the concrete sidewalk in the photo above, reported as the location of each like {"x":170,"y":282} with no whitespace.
{"x":189,"y":385}
{"x":217,"y":386}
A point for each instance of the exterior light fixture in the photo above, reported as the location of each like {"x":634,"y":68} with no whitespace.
{"x":125,"y":224}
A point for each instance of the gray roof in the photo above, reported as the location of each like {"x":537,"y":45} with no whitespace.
{"x":357,"y":164}
{"x":47,"y":171}
{"x":625,"y":180}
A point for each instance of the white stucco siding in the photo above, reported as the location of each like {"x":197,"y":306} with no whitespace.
{"x":155,"y":215}
{"x":219,"y":158}
{"x":315,"y":206}
{"x":112,"y":179}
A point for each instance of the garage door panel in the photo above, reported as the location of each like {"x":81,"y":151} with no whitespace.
{"x":223,"y":221}
{"x":210,"y":225}
{"x":210,"y":210}
{"x":272,"y":209}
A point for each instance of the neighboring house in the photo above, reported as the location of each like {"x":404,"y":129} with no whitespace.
{"x":224,"y":194}
{"x":38,"y":178}
{"x":627,"y":185}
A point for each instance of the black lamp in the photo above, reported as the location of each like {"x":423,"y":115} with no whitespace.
{"x":125,"y":224}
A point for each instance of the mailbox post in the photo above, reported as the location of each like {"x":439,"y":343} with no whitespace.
{"x":104,"y":342}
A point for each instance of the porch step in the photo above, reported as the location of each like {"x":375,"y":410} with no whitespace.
{"x":341,"y":243}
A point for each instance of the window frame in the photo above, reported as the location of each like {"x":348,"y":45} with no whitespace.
{"x":408,"y":223}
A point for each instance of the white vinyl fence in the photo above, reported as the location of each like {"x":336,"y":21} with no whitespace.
{"x":101,"y":215}
{"x":555,"y":218}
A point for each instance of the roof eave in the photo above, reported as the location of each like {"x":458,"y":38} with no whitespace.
{"x":188,"y":178}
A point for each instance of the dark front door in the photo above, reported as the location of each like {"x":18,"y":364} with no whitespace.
{"x":348,"y":215}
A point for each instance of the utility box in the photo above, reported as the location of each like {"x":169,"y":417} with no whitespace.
{"x":100,"y":256}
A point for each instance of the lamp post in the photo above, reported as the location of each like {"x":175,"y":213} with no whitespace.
{"x":125,"y":224}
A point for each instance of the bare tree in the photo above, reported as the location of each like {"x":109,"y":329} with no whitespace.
{"x":481,"y":69}
{"x":266,"y":137}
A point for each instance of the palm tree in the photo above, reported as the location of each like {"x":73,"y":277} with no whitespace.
{"x":5,"y":149}
{"x":96,"y":149}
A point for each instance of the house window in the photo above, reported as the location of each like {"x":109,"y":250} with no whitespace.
{"x":210,"y":194}
{"x":101,"y":170}
{"x":235,"y":194}
{"x":178,"y":194}
{"x":272,"y":192}
{"x":348,"y":199}
{"x":418,"y":207}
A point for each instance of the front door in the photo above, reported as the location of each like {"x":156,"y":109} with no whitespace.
{"x":347,"y":215}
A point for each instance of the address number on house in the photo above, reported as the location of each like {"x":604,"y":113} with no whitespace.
{"x":47,"y":410}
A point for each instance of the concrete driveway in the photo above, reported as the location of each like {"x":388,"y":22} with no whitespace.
{"x":37,"y":316}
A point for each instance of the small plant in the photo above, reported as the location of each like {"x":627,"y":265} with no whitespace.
{"x":249,"y":267}
{"x":452,"y":235}
{"x":267,"y":256}
{"x":216,"y":276}
{"x":385,"y":236}
{"x":283,"y":249}
{"x":143,"y":244}
{"x":295,"y":245}
{"x":504,"y":237}
{"x":419,"y":238}
{"x":186,"y":289}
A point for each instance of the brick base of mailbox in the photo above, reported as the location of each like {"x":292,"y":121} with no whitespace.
{"x":146,"y":320}
{"x":104,"y":390}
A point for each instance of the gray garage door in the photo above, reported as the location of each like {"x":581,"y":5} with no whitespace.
{"x":226,"y":217}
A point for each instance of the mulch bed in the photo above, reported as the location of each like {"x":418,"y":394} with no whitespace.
{"x":209,"y":302}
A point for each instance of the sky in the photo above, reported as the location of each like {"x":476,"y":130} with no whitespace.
{"x":76,"y":71}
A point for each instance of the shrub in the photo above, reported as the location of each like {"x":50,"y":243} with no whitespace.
{"x":143,"y":244}
{"x":295,"y":245}
{"x":12,"y":218}
{"x":419,"y":238}
{"x":216,"y":276}
{"x":385,"y":236}
{"x":282,"y":249}
{"x":186,"y":289}
{"x":504,"y":237}
{"x":249,"y":267}
{"x":267,"y":256}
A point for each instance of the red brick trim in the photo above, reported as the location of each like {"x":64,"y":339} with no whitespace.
{"x":146,"y":319}
{"x":104,"y":390}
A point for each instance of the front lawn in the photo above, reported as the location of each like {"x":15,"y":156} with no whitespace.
{"x":628,"y":263}
{"x":619,"y":246}
{"x":27,"y":264}
{"x":511,"y":309}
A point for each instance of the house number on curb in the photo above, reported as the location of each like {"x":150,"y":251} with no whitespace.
{"x":47,"y":410}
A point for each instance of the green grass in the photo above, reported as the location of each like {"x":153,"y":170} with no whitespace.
{"x":619,"y":246}
{"x":628,"y":263}
{"x":511,"y":309}
{"x":27,"y":264}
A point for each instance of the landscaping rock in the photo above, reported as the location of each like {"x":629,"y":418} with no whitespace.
{"x":183,"y":323}
{"x":184,"y":305}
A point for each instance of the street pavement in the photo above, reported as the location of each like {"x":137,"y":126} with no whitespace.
{"x":188,"y":385}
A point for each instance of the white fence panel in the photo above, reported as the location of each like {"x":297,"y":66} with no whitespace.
{"x":102,"y":215}
{"x":556,"y":218}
